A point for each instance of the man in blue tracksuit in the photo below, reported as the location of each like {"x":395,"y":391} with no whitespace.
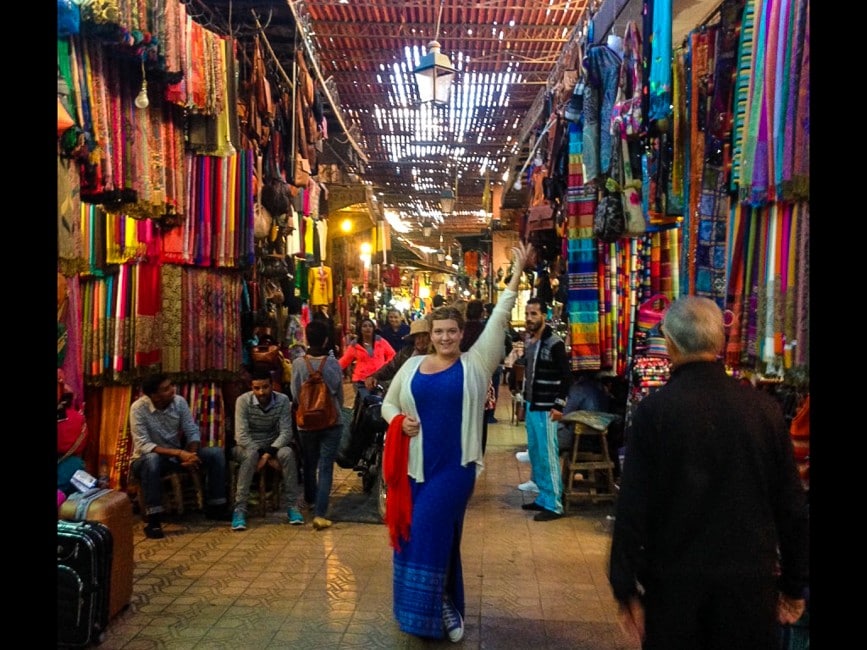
{"x":546,"y":384}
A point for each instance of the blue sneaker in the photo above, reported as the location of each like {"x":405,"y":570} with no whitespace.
{"x":452,"y":621}
{"x":239,"y":520}
{"x":295,"y":517}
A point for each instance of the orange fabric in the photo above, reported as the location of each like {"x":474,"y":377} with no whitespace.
{"x":395,"y":463}
{"x":800,"y":426}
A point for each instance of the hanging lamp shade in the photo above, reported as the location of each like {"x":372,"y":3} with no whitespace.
{"x":447,"y":201}
{"x":433,"y":75}
{"x":426,"y":228}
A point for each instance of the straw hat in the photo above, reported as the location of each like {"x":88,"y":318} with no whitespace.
{"x":417,"y":327}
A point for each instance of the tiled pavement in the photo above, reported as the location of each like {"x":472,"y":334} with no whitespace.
{"x":528,"y":584}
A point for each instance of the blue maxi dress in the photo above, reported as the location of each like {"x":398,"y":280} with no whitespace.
{"x":429,"y":564}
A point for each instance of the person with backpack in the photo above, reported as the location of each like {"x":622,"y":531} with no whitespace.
{"x":317,"y":378}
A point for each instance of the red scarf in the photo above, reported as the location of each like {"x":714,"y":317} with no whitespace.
{"x":395,"y":462}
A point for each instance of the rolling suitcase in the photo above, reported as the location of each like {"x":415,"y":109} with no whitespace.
{"x":113,"y":509}
{"x":84,"y":550}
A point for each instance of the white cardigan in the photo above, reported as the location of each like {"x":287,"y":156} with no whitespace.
{"x":479,"y":363}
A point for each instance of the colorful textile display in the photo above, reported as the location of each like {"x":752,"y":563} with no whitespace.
{"x":582,"y":302}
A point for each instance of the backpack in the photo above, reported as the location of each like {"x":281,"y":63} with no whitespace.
{"x":316,"y":409}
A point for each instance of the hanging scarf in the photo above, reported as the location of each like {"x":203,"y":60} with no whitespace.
{"x":660,"y":61}
{"x":395,"y":464}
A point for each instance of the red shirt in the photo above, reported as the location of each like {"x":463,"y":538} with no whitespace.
{"x":366,"y":363}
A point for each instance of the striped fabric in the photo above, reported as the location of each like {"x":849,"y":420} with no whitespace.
{"x":582,"y":302}
{"x":742,"y":90}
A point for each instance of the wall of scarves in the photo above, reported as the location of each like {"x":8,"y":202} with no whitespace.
{"x":746,"y":232}
{"x":735,"y":163}
{"x":153,"y":235}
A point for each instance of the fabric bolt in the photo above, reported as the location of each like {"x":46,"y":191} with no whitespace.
{"x":738,"y":228}
{"x":428,"y":567}
{"x":801,"y":147}
{"x":112,"y":432}
{"x":802,"y":298}
{"x":205,"y":400}
{"x":710,"y":249}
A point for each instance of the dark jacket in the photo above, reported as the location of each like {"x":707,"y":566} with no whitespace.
{"x":548,"y":375}
{"x":709,"y":488}
{"x":389,"y":370}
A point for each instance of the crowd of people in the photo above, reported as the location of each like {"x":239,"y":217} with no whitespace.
{"x":711,"y":523}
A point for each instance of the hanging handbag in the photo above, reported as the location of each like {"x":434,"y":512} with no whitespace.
{"x":651,"y":312}
{"x":262,"y":221}
{"x":626,"y":115}
{"x":540,"y":217}
{"x":273,"y":291}
{"x":301,"y":171}
{"x":609,"y":223}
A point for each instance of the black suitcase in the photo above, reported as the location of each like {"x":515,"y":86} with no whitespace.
{"x":84,"y":554}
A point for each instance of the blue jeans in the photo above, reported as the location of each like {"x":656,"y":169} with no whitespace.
{"x":249,"y":459}
{"x":151,"y":467}
{"x":319,"y":449}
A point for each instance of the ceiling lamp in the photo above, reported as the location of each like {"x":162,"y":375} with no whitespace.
{"x":448,"y":258}
{"x":434,"y":73}
{"x":447,"y":201}
{"x":426,"y":228}
{"x":441,"y":254}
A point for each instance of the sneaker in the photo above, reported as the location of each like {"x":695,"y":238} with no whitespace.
{"x":531,"y":506}
{"x":529,"y":486}
{"x":453,"y":622}
{"x":523,"y":456}
{"x":321,"y":522}
{"x":239,"y":520}
{"x":295,"y":517}
{"x":547,"y":515}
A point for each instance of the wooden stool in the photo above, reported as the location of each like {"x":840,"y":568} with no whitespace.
{"x":268,"y":499}
{"x":177,"y":492}
{"x":517,"y":409}
{"x":596,"y":468}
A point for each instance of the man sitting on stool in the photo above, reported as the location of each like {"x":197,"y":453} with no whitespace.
{"x":263,"y":431}
{"x":157,"y":420}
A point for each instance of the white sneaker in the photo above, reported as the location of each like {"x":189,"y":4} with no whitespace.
{"x":523,"y":456}
{"x":529,"y":486}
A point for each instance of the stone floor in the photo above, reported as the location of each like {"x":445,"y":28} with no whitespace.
{"x":528,"y":584}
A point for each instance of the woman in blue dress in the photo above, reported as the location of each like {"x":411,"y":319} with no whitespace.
{"x":442,"y":398}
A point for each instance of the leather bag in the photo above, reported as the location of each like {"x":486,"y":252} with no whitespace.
{"x":301,"y":171}
{"x":267,"y":356}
